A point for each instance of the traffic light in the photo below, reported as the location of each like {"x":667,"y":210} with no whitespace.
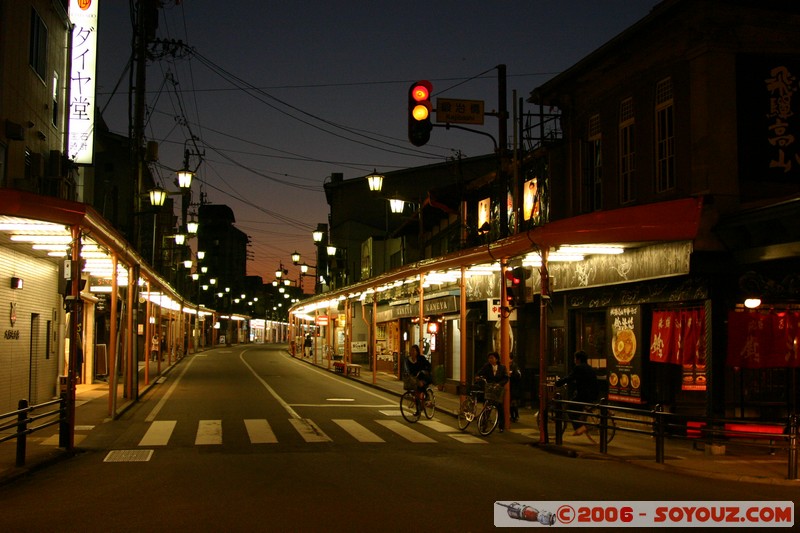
{"x":515,"y":286}
{"x":419,"y":112}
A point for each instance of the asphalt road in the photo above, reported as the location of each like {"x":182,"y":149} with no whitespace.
{"x":249,"y":439}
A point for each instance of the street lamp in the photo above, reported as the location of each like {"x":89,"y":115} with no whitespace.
{"x":375,"y":181}
{"x":185,"y":178}
{"x":192,"y":226}
{"x":157,"y":196}
{"x":295,"y":257}
{"x":396,"y":205}
{"x":281,"y":271}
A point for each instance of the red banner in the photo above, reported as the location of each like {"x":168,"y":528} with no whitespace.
{"x":763,"y":339}
{"x":678,"y":337}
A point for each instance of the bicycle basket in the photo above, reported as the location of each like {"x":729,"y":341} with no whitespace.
{"x":410,"y":382}
{"x":494,"y":392}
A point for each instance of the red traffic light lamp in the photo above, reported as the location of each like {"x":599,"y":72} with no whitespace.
{"x":515,"y":288}
{"x":419,"y":112}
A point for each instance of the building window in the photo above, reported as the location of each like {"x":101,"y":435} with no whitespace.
{"x":55,"y":98}
{"x":627,"y":162}
{"x":38,"y":45}
{"x":592,"y":184}
{"x":28,"y":163}
{"x":665,"y":136}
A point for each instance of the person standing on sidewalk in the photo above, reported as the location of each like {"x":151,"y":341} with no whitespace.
{"x":494,"y":372}
{"x":584,"y":378}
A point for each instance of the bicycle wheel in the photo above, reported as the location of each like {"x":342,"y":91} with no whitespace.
{"x":487,"y":420}
{"x":408,"y":407}
{"x":430,"y":403}
{"x":593,"y":424}
{"x":612,"y":426}
{"x":466,"y":412}
{"x":551,"y":422}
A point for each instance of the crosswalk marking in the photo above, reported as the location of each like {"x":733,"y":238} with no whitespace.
{"x":437,"y":426}
{"x":466,"y":438}
{"x":158,"y":433}
{"x":209,"y":432}
{"x":309,"y":430}
{"x":405,"y":431}
{"x":359,"y":432}
{"x":260,"y":432}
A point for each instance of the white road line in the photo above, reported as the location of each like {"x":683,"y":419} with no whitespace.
{"x":152,"y":416}
{"x":260,"y":432}
{"x":158,"y":433}
{"x":359,"y":432}
{"x":405,"y":431}
{"x":309,"y":430}
{"x":348,"y":405}
{"x":208,"y":432}
{"x":274,"y":394}
{"x":334,"y":377}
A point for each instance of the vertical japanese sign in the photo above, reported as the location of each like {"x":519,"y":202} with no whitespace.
{"x":768,"y":119}
{"x":80,"y":145}
{"x":625,"y":368}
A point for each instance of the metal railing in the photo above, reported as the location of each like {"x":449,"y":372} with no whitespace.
{"x":662,"y":426}
{"x":22,"y":421}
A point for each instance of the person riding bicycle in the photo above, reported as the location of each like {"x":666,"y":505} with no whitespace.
{"x":494,"y":372}
{"x":584,"y":379}
{"x":417,"y":365}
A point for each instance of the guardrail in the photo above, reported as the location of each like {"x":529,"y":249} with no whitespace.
{"x":662,"y":426}
{"x":25,"y":416}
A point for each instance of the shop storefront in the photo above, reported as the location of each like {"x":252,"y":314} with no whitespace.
{"x":83,"y":307}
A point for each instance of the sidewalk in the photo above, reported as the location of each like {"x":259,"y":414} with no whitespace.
{"x":740,"y":463}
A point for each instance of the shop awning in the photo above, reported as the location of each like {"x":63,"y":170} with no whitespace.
{"x":676,"y":220}
{"x":670,"y":221}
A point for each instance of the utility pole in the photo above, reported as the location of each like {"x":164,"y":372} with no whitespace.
{"x":502,"y":149}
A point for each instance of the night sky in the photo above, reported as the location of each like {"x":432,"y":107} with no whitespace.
{"x":280,"y":95}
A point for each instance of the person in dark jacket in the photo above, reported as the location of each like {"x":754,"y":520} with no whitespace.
{"x":584,"y":380}
{"x":494,"y":372}
{"x":417,"y":365}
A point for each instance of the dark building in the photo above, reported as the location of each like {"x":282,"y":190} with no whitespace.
{"x":225,"y":246}
{"x":672,"y":145}
{"x":694,"y":101}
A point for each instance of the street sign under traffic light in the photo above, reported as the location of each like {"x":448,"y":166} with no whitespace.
{"x":419,"y":112}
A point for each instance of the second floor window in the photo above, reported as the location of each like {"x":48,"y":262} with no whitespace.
{"x":55,"y":98}
{"x":38,"y":45}
{"x":665,"y":136}
{"x":592,"y":180}
{"x":627,"y":152}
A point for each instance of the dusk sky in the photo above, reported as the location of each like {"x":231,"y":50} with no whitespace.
{"x":280,"y":95}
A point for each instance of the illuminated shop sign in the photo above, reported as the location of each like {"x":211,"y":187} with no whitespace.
{"x":83,"y":14}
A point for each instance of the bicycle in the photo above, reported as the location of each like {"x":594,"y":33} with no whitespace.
{"x":411,"y":405}
{"x":489,"y":415}
{"x":591,"y":413}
